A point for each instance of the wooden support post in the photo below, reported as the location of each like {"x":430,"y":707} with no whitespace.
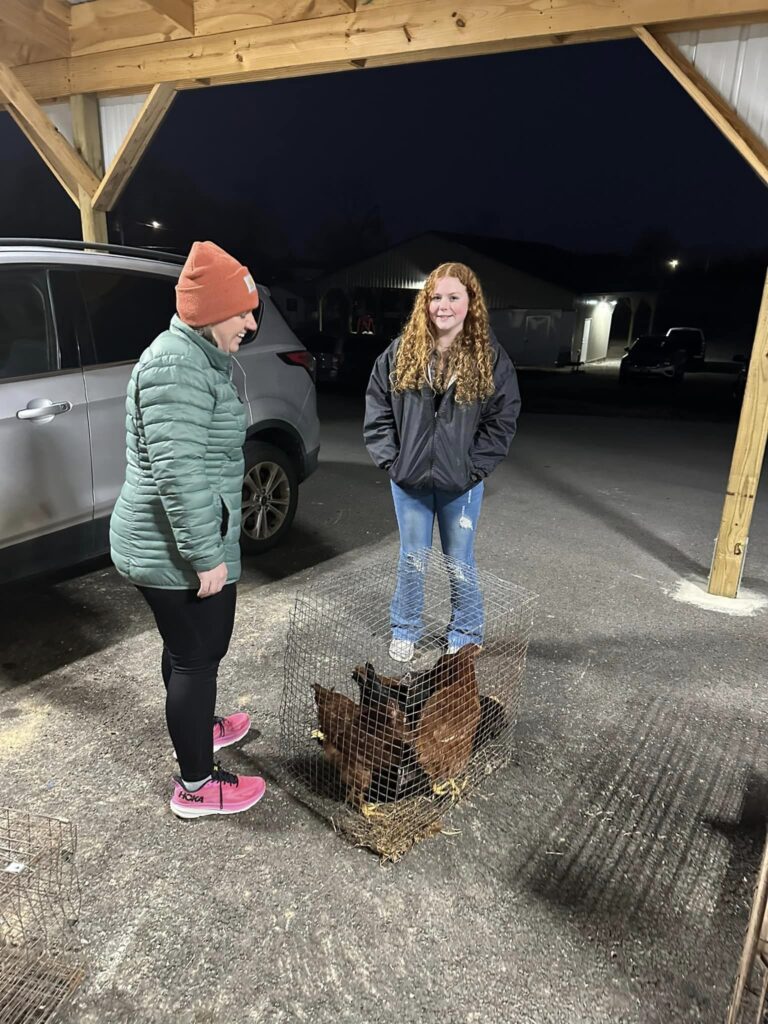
{"x":93,"y":223}
{"x":87,"y":134}
{"x":748,"y":454}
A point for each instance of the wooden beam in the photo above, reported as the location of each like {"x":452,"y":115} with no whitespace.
{"x":66,"y":163}
{"x":86,"y":128}
{"x":748,"y":454}
{"x":44,"y":156}
{"x":736,"y":130}
{"x":299,"y":71}
{"x":403,"y":31}
{"x":39,"y":21}
{"x":180,"y":12}
{"x":136,"y":141}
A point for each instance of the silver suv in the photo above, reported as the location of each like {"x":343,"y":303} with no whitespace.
{"x":74,"y":318}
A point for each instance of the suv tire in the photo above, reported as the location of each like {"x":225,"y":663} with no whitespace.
{"x":270,"y":496}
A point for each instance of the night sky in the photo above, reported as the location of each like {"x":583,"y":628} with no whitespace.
{"x":586,"y":147}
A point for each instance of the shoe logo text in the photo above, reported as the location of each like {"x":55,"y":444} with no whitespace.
{"x":193,"y":798}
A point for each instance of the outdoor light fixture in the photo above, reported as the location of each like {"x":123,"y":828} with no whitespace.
{"x":155,"y":224}
{"x":673,"y":264}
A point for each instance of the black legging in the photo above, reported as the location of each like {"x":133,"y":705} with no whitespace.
{"x":196,"y":634}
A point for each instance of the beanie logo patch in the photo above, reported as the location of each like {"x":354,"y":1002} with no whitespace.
{"x":250,"y":284}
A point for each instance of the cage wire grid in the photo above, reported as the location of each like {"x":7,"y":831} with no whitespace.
{"x":381,"y":748}
{"x":40,"y":957}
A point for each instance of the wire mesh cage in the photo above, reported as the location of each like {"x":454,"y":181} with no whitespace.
{"x":384,"y":747}
{"x":40,"y":957}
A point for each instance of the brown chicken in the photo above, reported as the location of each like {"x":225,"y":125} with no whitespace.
{"x":361,"y":740}
{"x":411,"y":691}
{"x":445,"y":732}
{"x":442,"y":711}
{"x":422,"y":724}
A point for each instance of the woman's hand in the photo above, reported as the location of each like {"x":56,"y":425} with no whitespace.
{"x":212,"y":580}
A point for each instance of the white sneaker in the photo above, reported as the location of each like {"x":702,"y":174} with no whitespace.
{"x":400,"y":650}
{"x":454,"y":648}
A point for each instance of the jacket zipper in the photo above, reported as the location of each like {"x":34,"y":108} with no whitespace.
{"x":434,"y":441}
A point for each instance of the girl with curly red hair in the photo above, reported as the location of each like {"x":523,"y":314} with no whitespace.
{"x":441,"y":411}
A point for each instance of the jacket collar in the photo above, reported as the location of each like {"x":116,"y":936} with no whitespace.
{"x":218,"y":359}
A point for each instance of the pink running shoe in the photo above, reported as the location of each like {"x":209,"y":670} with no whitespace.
{"x":224,"y":793}
{"x":231,"y":729}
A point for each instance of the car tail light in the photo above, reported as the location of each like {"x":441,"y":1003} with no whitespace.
{"x":300,"y":358}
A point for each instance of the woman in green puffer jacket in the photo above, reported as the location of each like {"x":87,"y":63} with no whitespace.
{"x":175,"y":529}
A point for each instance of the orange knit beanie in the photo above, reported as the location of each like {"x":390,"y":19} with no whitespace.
{"x":213,"y":286}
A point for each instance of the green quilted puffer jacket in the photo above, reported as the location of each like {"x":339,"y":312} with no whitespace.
{"x":179,"y":510}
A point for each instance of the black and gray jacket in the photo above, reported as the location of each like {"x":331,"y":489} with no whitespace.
{"x":446,"y":446}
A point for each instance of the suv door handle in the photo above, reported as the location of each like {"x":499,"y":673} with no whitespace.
{"x":43,"y":408}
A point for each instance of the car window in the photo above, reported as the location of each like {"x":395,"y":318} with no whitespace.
{"x":27,"y":342}
{"x":126,"y":310}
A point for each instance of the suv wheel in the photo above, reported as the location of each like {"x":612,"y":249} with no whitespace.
{"x":270,"y":495}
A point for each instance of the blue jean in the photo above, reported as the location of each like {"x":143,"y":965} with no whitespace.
{"x":457,"y":517}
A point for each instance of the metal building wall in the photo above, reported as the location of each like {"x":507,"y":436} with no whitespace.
{"x":117,"y":114}
{"x":61,"y":116}
{"x":734,"y":61}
